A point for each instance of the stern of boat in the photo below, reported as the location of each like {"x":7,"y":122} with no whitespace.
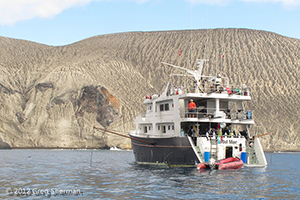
{"x":255,"y":154}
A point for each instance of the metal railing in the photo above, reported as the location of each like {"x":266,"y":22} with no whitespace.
{"x":197,"y":113}
{"x":201,"y":112}
{"x":211,"y":89}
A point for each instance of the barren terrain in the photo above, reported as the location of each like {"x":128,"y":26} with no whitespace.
{"x":53,"y":96}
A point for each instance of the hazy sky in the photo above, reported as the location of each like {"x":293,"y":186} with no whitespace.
{"x":61,"y":22}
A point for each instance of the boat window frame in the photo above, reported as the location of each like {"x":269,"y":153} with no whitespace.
{"x":161,"y":107}
{"x":166,"y":128}
{"x":163,"y":130}
{"x":164,"y":106}
{"x":167,"y":106}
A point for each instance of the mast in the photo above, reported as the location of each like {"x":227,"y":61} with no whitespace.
{"x":197,"y":74}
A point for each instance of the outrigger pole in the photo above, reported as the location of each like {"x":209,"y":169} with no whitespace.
{"x":262,"y":135}
{"x":94,"y":127}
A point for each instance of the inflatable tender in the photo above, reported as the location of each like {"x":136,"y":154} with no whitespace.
{"x":227,"y":163}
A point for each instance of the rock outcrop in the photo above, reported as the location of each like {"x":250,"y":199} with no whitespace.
{"x":4,"y":145}
{"x":51,"y":97}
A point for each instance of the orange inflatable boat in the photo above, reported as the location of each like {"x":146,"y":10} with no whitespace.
{"x":227,"y":163}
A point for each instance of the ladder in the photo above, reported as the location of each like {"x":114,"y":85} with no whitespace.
{"x":199,"y":153}
{"x":214,"y":148}
{"x":195,"y":149}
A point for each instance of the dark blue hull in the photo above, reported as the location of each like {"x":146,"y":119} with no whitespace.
{"x":175,"y":151}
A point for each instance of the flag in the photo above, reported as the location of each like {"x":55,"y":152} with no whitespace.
{"x":179,"y":52}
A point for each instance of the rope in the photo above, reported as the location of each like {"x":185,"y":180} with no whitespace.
{"x":91,"y":161}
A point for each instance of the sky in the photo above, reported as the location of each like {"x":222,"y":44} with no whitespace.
{"x":62,"y":22}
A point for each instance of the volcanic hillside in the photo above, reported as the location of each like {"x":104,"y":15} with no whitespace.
{"x":53,"y":96}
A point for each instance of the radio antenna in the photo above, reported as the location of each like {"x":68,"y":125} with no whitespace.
{"x":191,"y":45}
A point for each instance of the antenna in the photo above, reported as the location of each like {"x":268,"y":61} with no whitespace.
{"x":206,"y":45}
{"x":191,"y":47}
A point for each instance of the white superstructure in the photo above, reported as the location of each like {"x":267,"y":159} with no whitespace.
{"x":219,"y":125}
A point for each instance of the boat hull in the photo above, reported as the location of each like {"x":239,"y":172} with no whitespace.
{"x":172,"y":152}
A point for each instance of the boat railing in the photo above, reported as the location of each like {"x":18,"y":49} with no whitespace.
{"x":198,"y":112}
{"x":228,"y":90}
{"x":240,"y":114}
{"x":202,"y":112}
{"x":208,"y":88}
{"x":211,"y":89}
{"x":213,"y":134}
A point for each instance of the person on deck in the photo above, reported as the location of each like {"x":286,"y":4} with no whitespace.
{"x":191,"y":107}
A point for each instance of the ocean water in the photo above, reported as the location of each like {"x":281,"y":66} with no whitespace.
{"x":60,"y":174}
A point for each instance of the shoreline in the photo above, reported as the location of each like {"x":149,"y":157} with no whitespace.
{"x":89,"y":148}
{"x":57,"y":148}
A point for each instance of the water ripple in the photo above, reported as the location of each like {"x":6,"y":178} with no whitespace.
{"x":114,"y":175}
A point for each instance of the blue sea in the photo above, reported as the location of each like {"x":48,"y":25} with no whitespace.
{"x":104,"y":174}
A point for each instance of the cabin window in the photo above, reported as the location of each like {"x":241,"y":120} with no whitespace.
{"x":161,"y":107}
{"x":164,"y":106}
{"x":167,"y":106}
{"x":173,"y":127}
{"x":163,"y":129}
{"x":145,"y":129}
{"x":149,"y":107}
{"x":158,"y":127}
{"x":169,"y":127}
{"x":149,"y":128}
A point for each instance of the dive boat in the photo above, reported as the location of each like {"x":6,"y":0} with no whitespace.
{"x":175,"y":133}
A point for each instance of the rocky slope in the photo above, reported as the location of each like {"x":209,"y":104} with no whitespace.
{"x":53,"y":96}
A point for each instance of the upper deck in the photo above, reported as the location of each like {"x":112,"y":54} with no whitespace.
{"x":216,"y":102}
{"x":213,"y":96}
{"x":216,"y":108}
